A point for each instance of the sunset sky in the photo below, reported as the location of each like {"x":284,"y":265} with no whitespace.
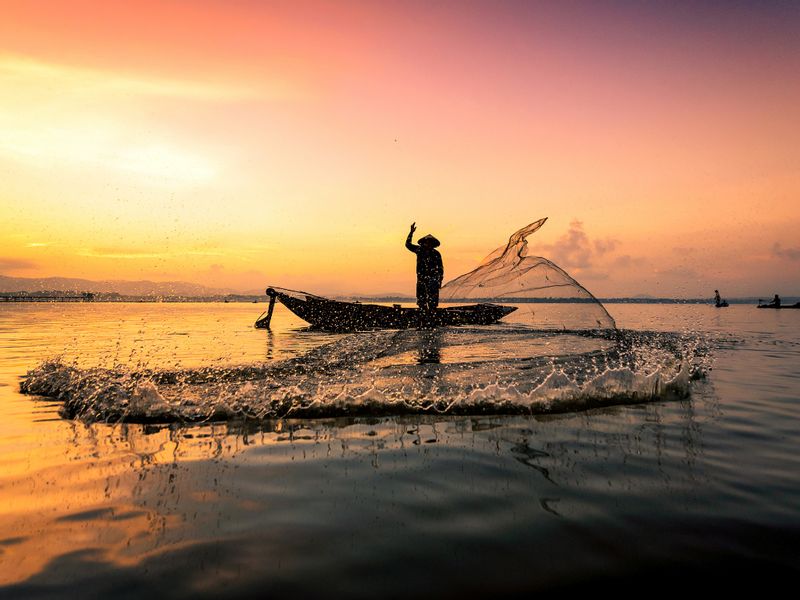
{"x":245,"y":143}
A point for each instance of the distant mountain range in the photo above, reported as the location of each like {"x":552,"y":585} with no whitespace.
{"x":155,"y":289}
{"x":125,"y":288}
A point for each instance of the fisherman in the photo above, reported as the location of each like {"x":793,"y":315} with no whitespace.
{"x":717,"y":299}
{"x":430,"y":271}
{"x":776,"y":301}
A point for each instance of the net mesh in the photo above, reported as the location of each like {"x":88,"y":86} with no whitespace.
{"x":546,"y":296}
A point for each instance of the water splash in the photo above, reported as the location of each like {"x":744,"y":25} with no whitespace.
{"x":493,"y":370}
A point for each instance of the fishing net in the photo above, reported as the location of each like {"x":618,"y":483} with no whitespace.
{"x":546,"y":296}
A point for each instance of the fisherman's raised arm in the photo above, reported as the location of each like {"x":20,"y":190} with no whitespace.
{"x":413,"y":247}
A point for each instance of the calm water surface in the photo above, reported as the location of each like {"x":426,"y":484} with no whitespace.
{"x":699,"y":493}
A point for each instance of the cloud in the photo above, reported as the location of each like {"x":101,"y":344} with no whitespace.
{"x":120,"y":253}
{"x":605,"y":246}
{"x":575,"y":250}
{"x":626,"y":261}
{"x":136,"y":253}
{"x":206,"y":252}
{"x":785,"y":253}
{"x":21,"y":69}
{"x":16,"y":264}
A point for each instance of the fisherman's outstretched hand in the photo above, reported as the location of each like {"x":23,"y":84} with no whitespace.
{"x":413,"y":227}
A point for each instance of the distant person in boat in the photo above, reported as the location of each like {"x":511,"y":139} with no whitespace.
{"x":430,"y":271}
{"x":719,"y":302}
{"x":776,"y":301}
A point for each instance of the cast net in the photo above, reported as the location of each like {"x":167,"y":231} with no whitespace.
{"x":546,"y":296}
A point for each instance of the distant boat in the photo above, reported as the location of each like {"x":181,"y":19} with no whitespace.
{"x":795,"y":305}
{"x":722,"y":304}
{"x":335,"y":315}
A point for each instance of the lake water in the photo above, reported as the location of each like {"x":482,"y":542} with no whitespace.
{"x":448,"y":464}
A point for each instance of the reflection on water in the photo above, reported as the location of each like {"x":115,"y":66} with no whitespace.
{"x":132,"y":493}
{"x":430,"y":346}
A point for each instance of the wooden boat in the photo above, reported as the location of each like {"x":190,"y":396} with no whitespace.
{"x":795,"y":305}
{"x":335,"y":315}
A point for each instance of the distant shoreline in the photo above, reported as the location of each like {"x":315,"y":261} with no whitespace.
{"x":27,"y":297}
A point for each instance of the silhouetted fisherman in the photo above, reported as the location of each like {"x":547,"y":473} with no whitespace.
{"x":776,"y":301}
{"x":718,"y":301}
{"x":430,"y":271}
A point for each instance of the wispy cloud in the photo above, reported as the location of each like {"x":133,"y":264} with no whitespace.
{"x":139,"y":254}
{"x":120,"y":253}
{"x":786,"y":253}
{"x":626,"y":261}
{"x":206,"y":253}
{"x":25,"y":70}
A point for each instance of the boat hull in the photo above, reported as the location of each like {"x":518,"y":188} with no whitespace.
{"x":334,"y":315}
{"x":796,"y":305}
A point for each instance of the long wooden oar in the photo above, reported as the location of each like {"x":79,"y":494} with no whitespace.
{"x":263,"y":322}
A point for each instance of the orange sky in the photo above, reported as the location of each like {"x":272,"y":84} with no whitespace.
{"x":292,"y":143}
